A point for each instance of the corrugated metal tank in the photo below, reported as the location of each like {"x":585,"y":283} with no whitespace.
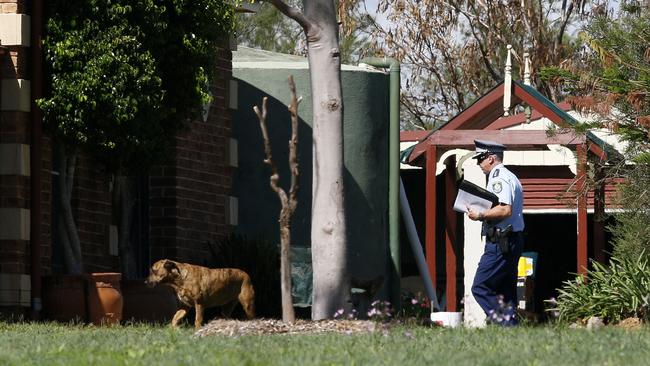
{"x":365,"y":92}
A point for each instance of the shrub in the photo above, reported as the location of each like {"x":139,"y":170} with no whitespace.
{"x":613,"y":292}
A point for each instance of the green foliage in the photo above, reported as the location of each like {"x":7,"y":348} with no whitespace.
{"x":261,"y":260}
{"x":642,"y":158}
{"x":187,"y":51}
{"x":631,"y":231}
{"x":613,"y":292}
{"x":125,"y":74}
{"x":612,"y":74}
{"x":107,"y":85}
{"x":554,"y":72}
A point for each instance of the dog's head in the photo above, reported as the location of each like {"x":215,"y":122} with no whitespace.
{"x":163,"y":271}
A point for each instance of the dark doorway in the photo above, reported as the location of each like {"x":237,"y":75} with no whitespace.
{"x":553,"y":237}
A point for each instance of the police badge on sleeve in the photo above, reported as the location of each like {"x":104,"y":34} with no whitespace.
{"x":496,"y":187}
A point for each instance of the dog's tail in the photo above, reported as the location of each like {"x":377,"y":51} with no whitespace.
{"x":247,"y":297}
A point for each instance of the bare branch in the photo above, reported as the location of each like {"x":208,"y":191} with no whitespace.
{"x":293,"y":143}
{"x":292,"y":13}
{"x":484,"y":57}
{"x":275,"y":177}
{"x":566,"y":15}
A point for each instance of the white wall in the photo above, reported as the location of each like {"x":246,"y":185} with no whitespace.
{"x":474,"y":246}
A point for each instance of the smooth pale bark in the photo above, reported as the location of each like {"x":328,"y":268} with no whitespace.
{"x":328,"y":241}
{"x":329,"y":249}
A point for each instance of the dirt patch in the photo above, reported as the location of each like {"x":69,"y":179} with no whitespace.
{"x":234,"y":328}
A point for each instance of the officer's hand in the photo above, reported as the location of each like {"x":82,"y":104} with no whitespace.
{"x":472,"y":214}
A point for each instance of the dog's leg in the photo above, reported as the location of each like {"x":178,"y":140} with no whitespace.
{"x":180,"y":313}
{"x":198,"y":320}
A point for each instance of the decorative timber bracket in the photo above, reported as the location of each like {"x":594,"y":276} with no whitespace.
{"x":507,"y":83}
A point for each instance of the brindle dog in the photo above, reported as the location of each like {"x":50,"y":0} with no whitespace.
{"x":202,"y":287}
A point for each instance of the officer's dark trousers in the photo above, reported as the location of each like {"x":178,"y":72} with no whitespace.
{"x":495,"y":283}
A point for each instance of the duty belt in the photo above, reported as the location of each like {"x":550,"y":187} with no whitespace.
{"x":500,"y":236}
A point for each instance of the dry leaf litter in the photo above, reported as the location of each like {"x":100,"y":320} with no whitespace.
{"x":234,"y":328}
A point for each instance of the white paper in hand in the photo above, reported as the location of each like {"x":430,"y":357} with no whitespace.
{"x":474,"y":197}
{"x":476,"y":203}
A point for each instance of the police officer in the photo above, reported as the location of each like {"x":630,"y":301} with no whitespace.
{"x":495,"y":283}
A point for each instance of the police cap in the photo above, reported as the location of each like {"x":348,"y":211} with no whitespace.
{"x":484,"y":147}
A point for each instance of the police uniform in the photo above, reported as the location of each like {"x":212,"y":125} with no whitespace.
{"x":495,"y":283}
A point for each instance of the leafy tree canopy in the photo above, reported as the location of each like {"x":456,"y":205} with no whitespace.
{"x":611,"y":76}
{"x":125,"y":74}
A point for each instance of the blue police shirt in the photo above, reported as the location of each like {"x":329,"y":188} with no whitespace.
{"x":507,"y":187}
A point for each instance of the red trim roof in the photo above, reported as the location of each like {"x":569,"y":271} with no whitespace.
{"x":514,"y":139}
{"x":501,"y":123}
{"x":405,"y":136}
{"x":486,"y":113}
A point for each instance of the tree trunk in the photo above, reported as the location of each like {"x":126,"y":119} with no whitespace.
{"x":123,"y":196}
{"x":67,"y":228}
{"x":288,"y":314}
{"x":328,"y":241}
{"x":328,"y":232}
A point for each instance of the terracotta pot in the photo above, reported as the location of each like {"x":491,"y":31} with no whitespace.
{"x":148,"y":304}
{"x":105,"y":301}
{"x":64,"y":298}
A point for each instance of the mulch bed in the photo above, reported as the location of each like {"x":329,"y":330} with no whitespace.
{"x":234,"y":328}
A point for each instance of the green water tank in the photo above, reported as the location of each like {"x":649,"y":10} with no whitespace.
{"x":366,"y":116}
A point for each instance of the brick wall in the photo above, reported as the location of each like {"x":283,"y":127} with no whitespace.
{"x":14,"y":132}
{"x":91,"y":204}
{"x":188,"y":196}
{"x":15,"y":177}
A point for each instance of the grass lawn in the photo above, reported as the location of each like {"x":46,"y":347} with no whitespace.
{"x":52,"y":344}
